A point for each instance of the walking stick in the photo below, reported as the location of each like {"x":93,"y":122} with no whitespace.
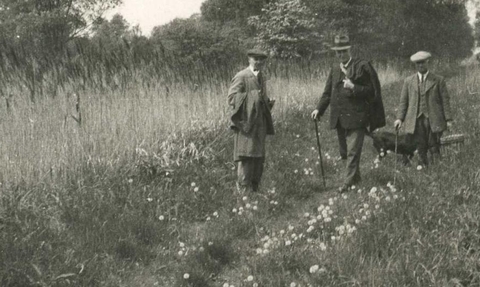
{"x":320,"y":152}
{"x":396,"y":146}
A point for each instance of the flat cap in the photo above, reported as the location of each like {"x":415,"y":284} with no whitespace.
{"x":420,"y":56}
{"x":257,"y":53}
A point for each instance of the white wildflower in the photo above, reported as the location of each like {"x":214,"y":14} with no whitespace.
{"x":314,"y":269}
{"x":323,"y":247}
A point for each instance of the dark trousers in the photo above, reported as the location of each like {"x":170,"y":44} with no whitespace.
{"x":426,"y":140}
{"x":342,"y":143}
{"x":249,"y":172}
{"x":352,"y":141}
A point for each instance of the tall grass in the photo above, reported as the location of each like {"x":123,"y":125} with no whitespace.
{"x":44,"y":141}
{"x":139,"y":191}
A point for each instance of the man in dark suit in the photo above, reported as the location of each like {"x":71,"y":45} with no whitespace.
{"x":424,"y":108}
{"x":251,"y":120}
{"x":353,"y":93}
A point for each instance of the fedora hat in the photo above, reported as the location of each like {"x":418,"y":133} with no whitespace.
{"x":341,"y":42}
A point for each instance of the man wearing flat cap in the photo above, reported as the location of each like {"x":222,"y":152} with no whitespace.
{"x":251,"y":120}
{"x":424,"y":108}
{"x":353,"y":93}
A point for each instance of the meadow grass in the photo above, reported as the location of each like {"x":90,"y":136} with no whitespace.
{"x":141,"y":193}
{"x":44,"y":140}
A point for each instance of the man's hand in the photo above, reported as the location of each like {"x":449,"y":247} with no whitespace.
{"x":397,"y":124}
{"x":449,"y":125}
{"x":347,"y":84}
{"x":315,"y":115}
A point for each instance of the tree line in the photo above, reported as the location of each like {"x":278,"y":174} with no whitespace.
{"x":71,"y":39}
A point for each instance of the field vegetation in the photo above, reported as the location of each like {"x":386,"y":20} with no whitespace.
{"x":116,"y":162}
{"x":140,"y":192}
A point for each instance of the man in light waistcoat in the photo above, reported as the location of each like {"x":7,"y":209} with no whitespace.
{"x":424,"y":109}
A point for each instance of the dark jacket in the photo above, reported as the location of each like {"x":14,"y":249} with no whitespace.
{"x":361,"y":107}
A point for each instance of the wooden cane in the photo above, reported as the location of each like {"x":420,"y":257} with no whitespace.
{"x":396,"y":146}
{"x":319,"y":152}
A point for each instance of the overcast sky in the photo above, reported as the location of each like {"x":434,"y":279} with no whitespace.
{"x":151,"y":13}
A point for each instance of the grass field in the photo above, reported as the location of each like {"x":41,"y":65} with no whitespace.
{"x":141,"y":193}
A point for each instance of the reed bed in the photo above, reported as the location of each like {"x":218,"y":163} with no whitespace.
{"x":45,"y":139}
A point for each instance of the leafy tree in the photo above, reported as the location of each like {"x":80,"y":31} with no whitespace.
{"x":44,"y":26}
{"x":34,"y":35}
{"x":440,"y":27}
{"x":288,"y":30}
{"x":194,"y":39}
{"x":238,"y":11}
{"x":340,"y":15}
{"x":398,"y":28}
{"x":112,"y":34}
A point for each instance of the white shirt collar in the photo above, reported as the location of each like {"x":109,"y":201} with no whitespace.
{"x":348,"y":63}
{"x":254,"y":72}
{"x":424,"y":76}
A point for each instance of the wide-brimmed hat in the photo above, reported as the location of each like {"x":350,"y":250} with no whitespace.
{"x":420,"y":56}
{"x":257,"y":53}
{"x":341,"y":42}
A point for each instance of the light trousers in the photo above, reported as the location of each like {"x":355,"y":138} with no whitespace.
{"x":352,"y":141}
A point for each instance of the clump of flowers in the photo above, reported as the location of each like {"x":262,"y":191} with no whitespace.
{"x":324,"y":227}
{"x":183,"y":250}
{"x":376,"y":162}
{"x":247,"y":208}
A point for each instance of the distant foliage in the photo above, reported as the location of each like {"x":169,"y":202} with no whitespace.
{"x":45,"y":26}
{"x":398,"y":28}
{"x":47,"y":45}
{"x":113,"y":31}
{"x":340,"y":15}
{"x":407,"y":26}
{"x":238,"y":11}
{"x":196,"y":40}
{"x":288,"y":29}
{"x":34,"y":37}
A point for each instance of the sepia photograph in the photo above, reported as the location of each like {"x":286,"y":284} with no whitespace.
{"x":239,"y":143}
